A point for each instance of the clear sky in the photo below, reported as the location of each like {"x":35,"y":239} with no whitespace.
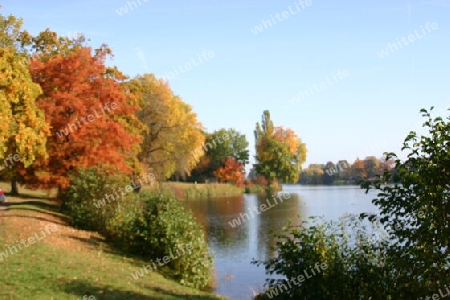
{"x":300,"y":47}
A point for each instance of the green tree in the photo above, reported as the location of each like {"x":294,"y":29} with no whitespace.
{"x":238,"y":145}
{"x":415,"y":208}
{"x":224,"y":143}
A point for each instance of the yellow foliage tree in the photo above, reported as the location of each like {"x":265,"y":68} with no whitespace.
{"x":173,"y":130}
{"x":23,"y":130}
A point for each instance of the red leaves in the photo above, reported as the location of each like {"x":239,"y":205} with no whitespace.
{"x":89,"y":114}
{"x":231,"y":172}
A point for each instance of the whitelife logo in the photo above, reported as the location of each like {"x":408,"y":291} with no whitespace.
{"x":411,"y":38}
{"x":10,"y":158}
{"x":148,"y":178}
{"x":181,"y":69}
{"x":302,"y":95}
{"x":90,"y":118}
{"x":265,"y":24}
{"x":243,"y":217}
{"x":31,"y":240}
{"x":124,"y":9}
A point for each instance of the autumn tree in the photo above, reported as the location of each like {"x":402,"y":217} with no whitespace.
{"x":91,"y":115}
{"x":172,"y":129}
{"x":202,"y":171}
{"x":313,"y":174}
{"x":218,"y":146}
{"x":343,"y":172}
{"x":23,"y":130}
{"x":372,"y":166}
{"x":12,"y":35}
{"x":359,"y":170}
{"x":232,"y":172}
{"x":279,"y":152}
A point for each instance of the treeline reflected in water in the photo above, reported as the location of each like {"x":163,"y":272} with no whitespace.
{"x":235,"y":247}
{"x":256,"y":221}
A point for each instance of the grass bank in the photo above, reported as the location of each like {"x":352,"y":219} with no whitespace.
{"x":192,"y":191}
{"x":67,"y":263}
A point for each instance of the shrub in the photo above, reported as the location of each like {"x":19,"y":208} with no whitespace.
{"x":148,"y":225}
{"x":86,"y":189}
{"x":159,"y":225}
{"x":338,"y":260}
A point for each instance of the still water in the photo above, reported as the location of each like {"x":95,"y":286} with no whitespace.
{"x":235,"y":247}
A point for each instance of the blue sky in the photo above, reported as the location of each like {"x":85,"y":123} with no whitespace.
{"x":368,"y":112}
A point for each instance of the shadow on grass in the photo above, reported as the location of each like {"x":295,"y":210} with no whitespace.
{"x":40,"y":196}
{"x":44,"y":207}
{"x":96,"y":243}
{"x":80,"y":288}
{"x":36,"y":218}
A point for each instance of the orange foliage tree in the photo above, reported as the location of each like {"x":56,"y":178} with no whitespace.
{"x":91,"y":116}
{"x":231,"y":172}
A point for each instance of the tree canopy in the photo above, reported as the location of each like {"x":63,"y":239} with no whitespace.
{"x":219,"y":146}
{"x":23,"y":128}
{"x":280,"y":153}
{"x":91,"y":117}
{"x":345,"y":173}
{"x":172,"y":130}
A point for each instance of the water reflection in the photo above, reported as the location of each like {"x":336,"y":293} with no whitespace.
{"x":238,"y":231}
{"x":251,"y":238}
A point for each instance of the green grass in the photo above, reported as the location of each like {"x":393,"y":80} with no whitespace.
{"x":43,"y":272}
{"x":71,"y":263}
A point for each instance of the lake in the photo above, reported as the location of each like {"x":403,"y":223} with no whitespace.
{"x":235,"y":245}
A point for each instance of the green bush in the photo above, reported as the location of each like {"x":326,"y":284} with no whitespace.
{"x":338,"y":260}
{"x":87,"y":188}
{"x":158,"y":225}
{"x":148,"y":225}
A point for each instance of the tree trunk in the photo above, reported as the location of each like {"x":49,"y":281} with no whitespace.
{"x":14,"y":188}
{"x":59,"y":195}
